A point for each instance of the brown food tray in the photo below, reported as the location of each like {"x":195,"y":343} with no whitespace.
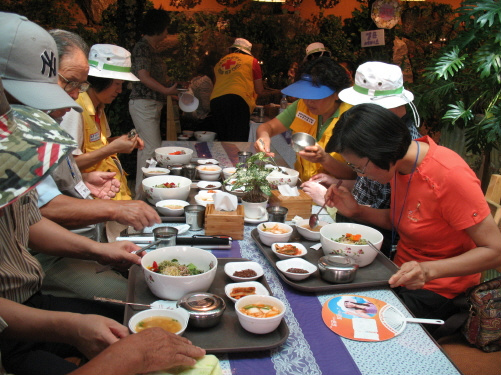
{"x":228,"y":335}
{"x":375,"y":274}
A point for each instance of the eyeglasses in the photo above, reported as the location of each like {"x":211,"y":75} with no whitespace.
{"x":73,"y":85}
{"x":357,"y":169}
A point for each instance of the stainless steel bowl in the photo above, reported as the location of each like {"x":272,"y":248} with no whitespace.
{"x":301,"y":140}
{"x":337,"y":269}
{"x":206,"y":309}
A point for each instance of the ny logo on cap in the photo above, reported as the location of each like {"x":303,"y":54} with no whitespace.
{"x":49,"y":62}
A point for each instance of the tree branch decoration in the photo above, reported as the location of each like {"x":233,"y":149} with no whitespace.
{"x":326,"y":4}
{"x":187,"y":4}
{"x":230,"y":3}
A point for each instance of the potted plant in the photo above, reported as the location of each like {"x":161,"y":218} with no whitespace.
{"x":251,"y":177}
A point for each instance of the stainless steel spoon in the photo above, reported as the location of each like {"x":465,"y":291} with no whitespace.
{"x":314,"y":217}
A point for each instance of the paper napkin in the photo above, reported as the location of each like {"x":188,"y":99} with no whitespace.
{"x":151,"y":163}
{"x":206,"y":365}
{"x":288,"y":191}
{"x":225,"y":201}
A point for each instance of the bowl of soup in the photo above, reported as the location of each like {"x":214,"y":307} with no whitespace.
{"x":350,"y":240}
{"x":304,"y":229}
{"x":209,"y":172}
{"x":171,"y":320}
{"x":171,"y":207}
{"x":260,"y":314}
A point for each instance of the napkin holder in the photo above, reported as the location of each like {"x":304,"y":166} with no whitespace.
{"x":300,"y":205}
{"x":227,"y":223}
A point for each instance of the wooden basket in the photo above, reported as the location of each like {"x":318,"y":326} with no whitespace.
{"x":299,"y":205}
{"x":224,"y":223}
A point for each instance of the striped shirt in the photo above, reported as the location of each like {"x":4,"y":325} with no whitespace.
{"x":21,"y":274}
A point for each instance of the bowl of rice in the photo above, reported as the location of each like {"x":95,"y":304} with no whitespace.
{"x":171,"y":272}
{"x":350,"y":239}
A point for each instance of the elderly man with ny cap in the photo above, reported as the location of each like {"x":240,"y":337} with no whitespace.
{"x":33,"y":339}
{"x":238,"y":83}
{"x":64,"y":276}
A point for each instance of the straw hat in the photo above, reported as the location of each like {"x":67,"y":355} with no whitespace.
{"x":378,"y":83}
{"x":243,"y":45}
{"x":110,"y":61}
{"x":29,"y":66}
{"x":306,"y":89}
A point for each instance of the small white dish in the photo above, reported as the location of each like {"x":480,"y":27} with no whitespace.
{"x":209,"y":172}
{"x":204,"y":198}
{"x":260,"y":290}
{"x":286,"y":264}
{"x":179,"y":314}
{"x":209,"y":185}
{"x":228,"y":172}
{"x":171,"y":207}
{"x":302,"y":250}
{"x":207,"y":161}
{"x":231,"y":267}
{"x":154,"y":171}
{"x":256,"y":221}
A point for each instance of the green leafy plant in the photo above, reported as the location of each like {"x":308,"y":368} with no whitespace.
{"x":465,"y":78}
{"x":251,"y":176}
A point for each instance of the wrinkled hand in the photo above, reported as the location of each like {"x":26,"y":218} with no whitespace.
{"x":342,"y":199}
{"x":136,"y":213}
{"x":263,"y":145}
{"x":102,"y":185}
{"x":314,"y":154}
{"x":412,"y":275}
{"x":124,"y":145}
{"x":154,"y":349}
{"x":118,"y":254}
{"x":94,"y":333}
{"x":325,"y":179}
{"x":315,"y":190}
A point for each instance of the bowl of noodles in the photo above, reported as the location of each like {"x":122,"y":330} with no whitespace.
{"x":350,"y":239}
{"x":172,"y":272}
{"x":161,"y":188}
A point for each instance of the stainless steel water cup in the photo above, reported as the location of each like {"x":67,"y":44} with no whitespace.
{"x":195,"y":215}
{"x":190,"y":171}
{"x":166,"y":235}
{"x":243,"y":156}
{"x":277,"y":214}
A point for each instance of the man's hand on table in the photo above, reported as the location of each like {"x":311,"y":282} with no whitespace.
{"x":135,"y":213}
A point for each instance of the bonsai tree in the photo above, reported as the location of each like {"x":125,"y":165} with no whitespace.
{"x":465,"y":78}
{"x":251,"y":176}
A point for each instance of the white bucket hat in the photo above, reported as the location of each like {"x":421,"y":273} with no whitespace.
{"x":317,"y":47}
{"x":243,"y":45}
{"x":110,"y":61}
{"x":188,"y":102}
{"x":29,"y":64}
{"x":378,"y":83}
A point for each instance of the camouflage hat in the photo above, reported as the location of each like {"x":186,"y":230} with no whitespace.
{"x":31,"y":145}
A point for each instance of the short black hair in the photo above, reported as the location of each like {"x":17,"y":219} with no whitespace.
{"x":98,"y":83}
{"x":324,"y":71}
{"x":155,"y":21}
{"x":371,"y":131}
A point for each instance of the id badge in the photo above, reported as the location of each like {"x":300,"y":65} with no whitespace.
{"x":82,"y":189}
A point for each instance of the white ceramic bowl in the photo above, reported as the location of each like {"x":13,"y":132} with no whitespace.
{"x":209,"y":172}
{"x":284,"y":265}
{"x":362,"y":255}
{"x":156,"y":194}
{"x":205,"y":136}
{"x":300,"y":247}
{"x":168,"y":207}
{"x":209,"y":185}
{"x":260,"y":290}
{"x":276,"y":177}
{"x":164,"y":155}
{"x":269,"y":238}
{"x":203,"y":199}
{"x":259,"y":325}
{"x":179,"y":314}
{"x":155,"y":171}
{"x":188,"y":133}
{"x":312,"y":235}
{"x":207,"y":161}
{"x":174,"y":287}
{"x":183,"y":137}
{"x":231,"y":267}
{"x":227,"y":172}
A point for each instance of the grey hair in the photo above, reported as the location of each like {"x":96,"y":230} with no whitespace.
{"x":66,"y":41}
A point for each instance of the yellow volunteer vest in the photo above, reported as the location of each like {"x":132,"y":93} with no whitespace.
{"x":306,"y":122}
{"x":94,"y":139}
{"x":234,"y":76}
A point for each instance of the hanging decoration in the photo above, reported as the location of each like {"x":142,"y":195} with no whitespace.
{"x":230,"y":3}
{"x":386,"y":13}
{"x":326,"y":4}
{"x":187,"y":4}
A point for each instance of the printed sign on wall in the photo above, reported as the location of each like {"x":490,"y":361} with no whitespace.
{"x":372,"y":38}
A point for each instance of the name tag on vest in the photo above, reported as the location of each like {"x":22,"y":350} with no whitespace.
{"x":95,"y":137}
{"x":303,"y":116}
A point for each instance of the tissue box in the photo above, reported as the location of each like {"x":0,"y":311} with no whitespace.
{"x":224,"y":223}
{"x":299,"y":205}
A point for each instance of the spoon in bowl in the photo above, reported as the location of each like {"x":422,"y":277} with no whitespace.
{"x":314,"y":217}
